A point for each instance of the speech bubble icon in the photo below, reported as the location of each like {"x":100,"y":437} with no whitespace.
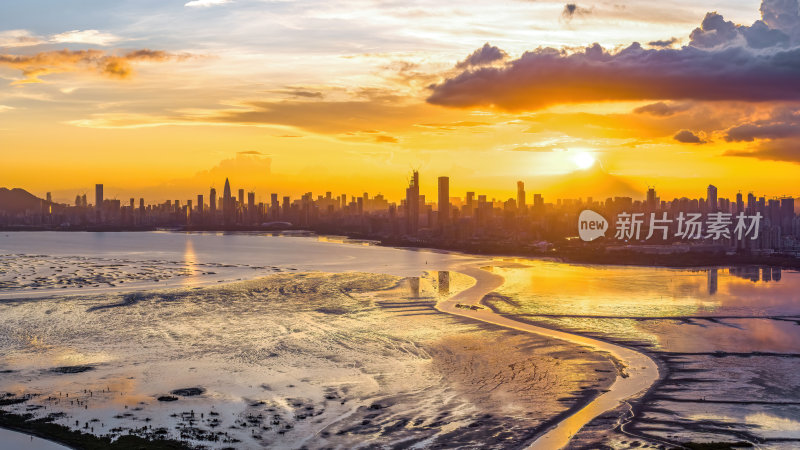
{"x":591,"y":225}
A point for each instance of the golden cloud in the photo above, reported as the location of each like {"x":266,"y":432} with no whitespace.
{"x":88,"y":61}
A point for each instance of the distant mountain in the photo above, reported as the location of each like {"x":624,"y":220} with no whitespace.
{"x":18,"y":200}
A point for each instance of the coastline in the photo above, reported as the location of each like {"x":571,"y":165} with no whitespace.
{"x":27,"y":440}
{"x":61,"y":437}
{"x":590,"y":254}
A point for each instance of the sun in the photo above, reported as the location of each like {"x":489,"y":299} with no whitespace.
{"x":583,"y":160}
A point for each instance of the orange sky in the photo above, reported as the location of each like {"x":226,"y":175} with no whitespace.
{"x":165,"y":101}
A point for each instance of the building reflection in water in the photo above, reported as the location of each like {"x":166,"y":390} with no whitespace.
{"x":712,"y":281}
{"x":413,"y":284}
{"x":444,"y":283}
{"x":756,"y":274}
{"x":752,"y":273}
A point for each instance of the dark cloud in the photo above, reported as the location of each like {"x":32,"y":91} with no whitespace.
{"x":714,"y":31}
{"x":664,"y":43}
{"x":759,"y":35}
{"x":571,"y":10}
{"x":662,"y":109}
{"x":782,"y":123}
{"x":782,"y":15}
{"x":776,"y":137}
{"x":687,"y":137}
{"x":723,"y":62}
{"x":750,"y":132}
{"x":786,"y":150}
{"x":92,"y":61}
{"x":548,"y":76}
{"x":483,"y":56}
{"x":306,"y":94}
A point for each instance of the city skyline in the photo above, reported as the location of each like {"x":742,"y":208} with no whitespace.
{"x":748,"y":227}
{"x":523,"y":195}
{"x":158,"y":97}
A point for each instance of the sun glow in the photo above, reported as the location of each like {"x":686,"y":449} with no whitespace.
{"x":583,"y":160}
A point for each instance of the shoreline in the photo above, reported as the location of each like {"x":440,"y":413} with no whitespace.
{"x":589,"y":255}
{"x":61,"y":437}
{"x":38,"y":441}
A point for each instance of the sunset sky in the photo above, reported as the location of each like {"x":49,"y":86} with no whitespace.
{"x":165,"y":98}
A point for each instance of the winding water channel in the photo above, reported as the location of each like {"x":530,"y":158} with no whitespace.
{"x":640,"y":369}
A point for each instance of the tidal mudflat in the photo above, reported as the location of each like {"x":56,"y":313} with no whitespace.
{"x":258,"y":341}
{"x":289,"y":360}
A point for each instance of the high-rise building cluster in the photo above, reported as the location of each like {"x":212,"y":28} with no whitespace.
{"x":471,"y":218}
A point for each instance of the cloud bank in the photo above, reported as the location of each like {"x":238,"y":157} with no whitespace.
{"x":722,"y":61}
{"x":87,"y":61}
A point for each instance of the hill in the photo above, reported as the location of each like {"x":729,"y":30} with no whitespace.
{"x":17,"y":200}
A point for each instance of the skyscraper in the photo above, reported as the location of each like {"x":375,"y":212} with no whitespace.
{"x":470,"y":203}
{"x":651,"y":199}
{"x":538,"y":202}
{"x":787,"y":214}
{"x":412,"y":204}
{"x":226,"y":191}
{"x":212,"y":204}
{"x":444,"y":200}
{"x":275,"y":207}
{"x":711,"y":198}
{"x":227,"y":203}
{"x":251,"y":207}
{"x":98,"y":196}
{"x":521,"y":196}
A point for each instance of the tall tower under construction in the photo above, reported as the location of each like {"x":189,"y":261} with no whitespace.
{"x":412,"y":204}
